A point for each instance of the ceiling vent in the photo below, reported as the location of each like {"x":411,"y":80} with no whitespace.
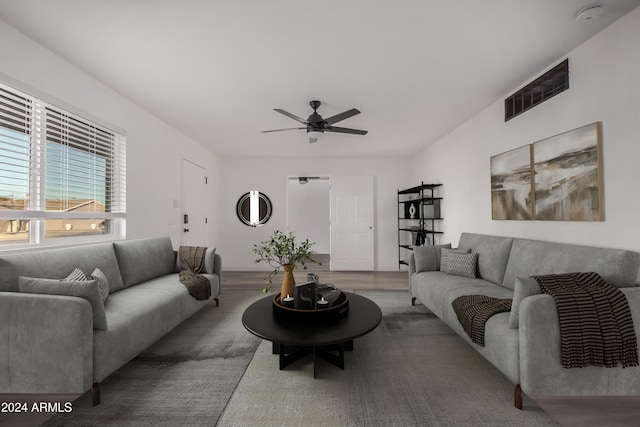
{"x":544,"y":87}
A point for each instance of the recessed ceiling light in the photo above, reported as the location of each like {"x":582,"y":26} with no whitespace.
{"x":589,"y":13}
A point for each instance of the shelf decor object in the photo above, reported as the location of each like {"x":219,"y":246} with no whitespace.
{"x":419,"y":211}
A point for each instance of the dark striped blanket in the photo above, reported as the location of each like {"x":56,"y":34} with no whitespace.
{"x":473,"y":311}
{"x":596,"y":328}
{"x":192,"y":264}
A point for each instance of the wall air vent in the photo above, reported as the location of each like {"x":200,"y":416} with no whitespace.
{"x":544,"y":87}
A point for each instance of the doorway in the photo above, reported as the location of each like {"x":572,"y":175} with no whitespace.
{"x":193,"y":228}
{"x":308,"y":215}
{"x":337,"y":214}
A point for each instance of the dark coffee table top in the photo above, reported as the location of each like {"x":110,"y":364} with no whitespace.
{"x":363,"y":317}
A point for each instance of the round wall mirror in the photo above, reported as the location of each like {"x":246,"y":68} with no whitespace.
{"x":254,"y":208}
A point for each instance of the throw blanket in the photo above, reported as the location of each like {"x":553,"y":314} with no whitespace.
{"x":192,"y":263}
{"x":473,"y":311}
{"x":596,"y":328}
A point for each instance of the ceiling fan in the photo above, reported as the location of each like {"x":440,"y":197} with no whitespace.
{"x":316,"y":126}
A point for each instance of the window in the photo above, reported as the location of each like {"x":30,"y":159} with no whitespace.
{"x":61,"y":176}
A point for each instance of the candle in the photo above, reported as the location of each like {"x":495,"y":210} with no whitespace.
{"x":288,"y":301}
{"x":323,"y":303}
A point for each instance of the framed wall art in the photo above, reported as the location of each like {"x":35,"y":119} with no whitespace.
{"x":511,"y":185}
{"x":567,"y":172}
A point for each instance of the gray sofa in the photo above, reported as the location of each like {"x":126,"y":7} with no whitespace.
{"x":528,"y":354}
{"x":49,"y":344}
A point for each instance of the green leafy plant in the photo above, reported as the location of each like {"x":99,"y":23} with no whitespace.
{"x":282,"y":249}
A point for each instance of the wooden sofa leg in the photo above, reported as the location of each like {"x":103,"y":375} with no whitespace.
{"x":517,"y":397}
{"x":217,"y":301}
{"x":413,"y":300}
{"x":95,"y":394}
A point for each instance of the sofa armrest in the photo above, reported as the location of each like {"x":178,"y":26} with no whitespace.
{"x":217,"y":266}
{"x":46,"y":344}
{"x":412,"y":264}
{"x":541,"y":371}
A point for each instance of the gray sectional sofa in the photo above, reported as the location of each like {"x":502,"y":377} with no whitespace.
{"x":528,"y":353}
{"x":53,"y":343}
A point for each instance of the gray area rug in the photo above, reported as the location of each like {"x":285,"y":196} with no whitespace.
{"x":186,"y":378}
{"x":411,"y":371}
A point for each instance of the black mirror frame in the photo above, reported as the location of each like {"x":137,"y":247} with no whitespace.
{"x":263,"y":217}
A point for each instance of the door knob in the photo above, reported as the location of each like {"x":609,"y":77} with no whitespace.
{"x":186,"y":230}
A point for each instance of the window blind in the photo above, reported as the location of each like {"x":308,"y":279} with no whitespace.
{"x":61,"y":175}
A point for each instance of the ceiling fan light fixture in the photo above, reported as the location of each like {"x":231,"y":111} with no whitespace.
{"x":314,"y":135}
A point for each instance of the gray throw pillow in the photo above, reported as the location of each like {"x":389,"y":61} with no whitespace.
{"x":209,"y":259}
{"x":427,"y":257}
{"x":523,"y":288}
{"x":83,"y":289}
{"x":444,"y":257}
{"x":103,"y":283}
{"x":463,"y":264}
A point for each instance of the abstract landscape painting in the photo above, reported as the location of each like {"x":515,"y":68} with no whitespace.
{"x":567,"y":175}
{"x":511,"y":189}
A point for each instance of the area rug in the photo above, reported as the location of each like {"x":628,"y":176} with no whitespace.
{"x":411,"y":371}
{"x":184,"y":379}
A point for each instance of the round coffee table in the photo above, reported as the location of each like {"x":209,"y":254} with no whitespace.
{"x":292,"y":339}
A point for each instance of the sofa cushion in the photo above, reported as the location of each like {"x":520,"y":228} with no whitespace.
{"x":463,"y":264}
{"x":87,"y":289}
{"x":144,"y":259}
{"x":493,"y":254}
{"x":57,"y":263}
{"x":534,"y":257}
{"x":427,"y":257}
{"x":524,"y":287}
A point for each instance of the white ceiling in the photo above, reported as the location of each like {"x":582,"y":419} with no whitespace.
{"x":216,"y":69}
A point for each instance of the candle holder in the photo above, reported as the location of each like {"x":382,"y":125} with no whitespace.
{"x":335,"y":312}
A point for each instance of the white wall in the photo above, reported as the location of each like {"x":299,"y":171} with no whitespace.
{"x":604,"y":86}
{"x":154,"y":150}
{"x":308,"y":212}
{"x":270,"y":176}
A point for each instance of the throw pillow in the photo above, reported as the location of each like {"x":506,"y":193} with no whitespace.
{"x":76,"y":274}
{"x":444,"y":257}
{"x":463,"y":264}
{"x":83,"y":289}
{"x":209,"y":259}
{"x":523,"y":288}
{"x":103,"y":284}
{"x":427,"y":257}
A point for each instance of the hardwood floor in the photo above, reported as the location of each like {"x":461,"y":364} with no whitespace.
{"x":346,"y":280}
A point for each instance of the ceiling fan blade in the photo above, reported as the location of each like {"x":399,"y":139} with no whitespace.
{"x":344,"y":130}
{"x":342,"y":116}
{"x":279,"y":130}
{"x":293,"y":116}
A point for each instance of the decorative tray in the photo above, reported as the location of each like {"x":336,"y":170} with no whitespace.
{"x":320,"y":314}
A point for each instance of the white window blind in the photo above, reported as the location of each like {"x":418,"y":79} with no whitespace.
{"x":61,"y":175}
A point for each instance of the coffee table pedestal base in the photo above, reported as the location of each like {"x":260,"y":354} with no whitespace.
{"x":334,"y":354}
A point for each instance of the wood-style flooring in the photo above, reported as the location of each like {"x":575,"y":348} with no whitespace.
{"x":345,"y":280}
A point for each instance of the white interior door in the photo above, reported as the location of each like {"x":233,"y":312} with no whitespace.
{"x":194,"y":212}
{"x":352,"y":223}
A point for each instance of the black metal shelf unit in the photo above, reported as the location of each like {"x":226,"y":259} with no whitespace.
{"x":418,"y":213}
